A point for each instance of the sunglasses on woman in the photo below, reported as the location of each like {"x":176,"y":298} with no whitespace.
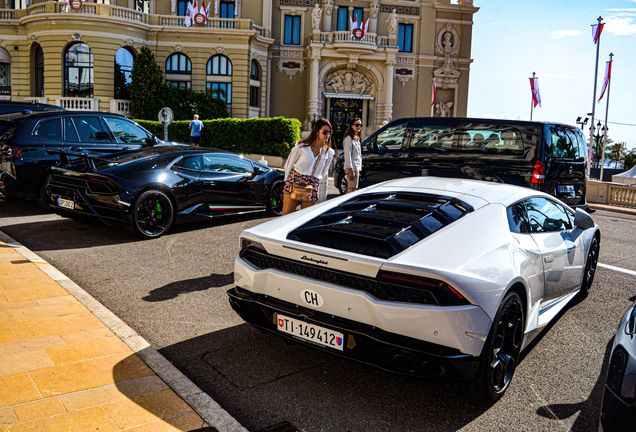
{"x":326,"y":132}
{"x":357,"y":124}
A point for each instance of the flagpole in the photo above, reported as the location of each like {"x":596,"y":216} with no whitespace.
{"x":598,"y":45}
{"x":532,"y":98}
{"x":609,"y":84}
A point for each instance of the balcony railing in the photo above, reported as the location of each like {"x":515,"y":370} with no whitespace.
{"x":120,"y":106}
{"x":337,"y":37}
{"x":78,"y":103}
{"x":35,"y":99}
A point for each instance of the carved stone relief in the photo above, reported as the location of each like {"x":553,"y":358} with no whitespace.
{"x":447,"y":42}
{"x":447,"y":74}
{"x":348,"y":81}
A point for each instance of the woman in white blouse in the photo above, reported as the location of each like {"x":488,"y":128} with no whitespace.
{"x":311,"y":155}
{"x":353,"y":153}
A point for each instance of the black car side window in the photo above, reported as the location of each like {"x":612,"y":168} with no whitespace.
{"x":126,"y":132}
{"x":90,"y":130}
{"x":518,"y":218}
{"x":227,"y":164}
{"x":431,"y":137}
{"x":70,"y":134}
{"x":50,"y":129}
{"x":190,"y":163}
{"x":391,"y":138}
{"x":546,"y":216}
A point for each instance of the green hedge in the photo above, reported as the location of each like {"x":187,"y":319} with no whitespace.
{"x":268,"y":136}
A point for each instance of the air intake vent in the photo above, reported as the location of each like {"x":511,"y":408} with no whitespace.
{"x":381,"y":224}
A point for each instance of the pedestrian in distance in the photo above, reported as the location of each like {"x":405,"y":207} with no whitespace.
{"x":195,"y":130}
{"x":353,"y":153}
{"x":307,"y":168}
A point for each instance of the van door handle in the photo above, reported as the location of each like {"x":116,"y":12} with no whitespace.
{"x":76,"y":148}
{"x":395,"y":155}
{"x":412,"y":155}
{"x":126,"y":148}
{"x":209,"y":182}
{"x":548,"y":258}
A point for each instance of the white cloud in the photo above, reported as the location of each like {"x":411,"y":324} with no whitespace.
{"x":621,"y":25}
{"x":558,"y":34}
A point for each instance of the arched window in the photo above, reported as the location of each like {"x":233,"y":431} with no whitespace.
{"x":37,"y":80}
{"x":219,"y":72}
{"x":178,"y":71}
{"x":124,"y":60}
{"x":255,"y":84}
{"x":78,"y":71}
{"x":5,"y":74}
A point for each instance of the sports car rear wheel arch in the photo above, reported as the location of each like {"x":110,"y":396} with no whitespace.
{"x":590,"y":266}
{"x":152,"y":214}
{"x":275,"y":198}
{"x":501,"y":352}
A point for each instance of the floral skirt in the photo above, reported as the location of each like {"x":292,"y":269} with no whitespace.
{"x":295,"y":178}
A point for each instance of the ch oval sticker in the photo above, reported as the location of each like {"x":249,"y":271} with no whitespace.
{"x":311,"y":298}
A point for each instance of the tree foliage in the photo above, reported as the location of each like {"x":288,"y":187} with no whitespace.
{"x":147,"y":80}
{"x":630,"y":159}
{"x":186,"y":103}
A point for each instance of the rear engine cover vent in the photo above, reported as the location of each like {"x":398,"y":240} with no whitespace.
{"x":381,"y":224}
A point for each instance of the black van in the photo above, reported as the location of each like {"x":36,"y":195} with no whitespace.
{"x":550,"y":157}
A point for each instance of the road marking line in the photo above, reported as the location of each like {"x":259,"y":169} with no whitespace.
{"x":618,"y":269}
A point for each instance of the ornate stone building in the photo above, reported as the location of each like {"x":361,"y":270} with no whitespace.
{"x":293,"y":58}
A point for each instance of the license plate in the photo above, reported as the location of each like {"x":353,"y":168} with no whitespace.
{"x":66,"y":203}
{"x":569,"y":190}
{"x":309,"y":332}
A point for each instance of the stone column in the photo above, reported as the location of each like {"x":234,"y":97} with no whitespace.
{"x":388,"y":91}
{"x":314,"y":70}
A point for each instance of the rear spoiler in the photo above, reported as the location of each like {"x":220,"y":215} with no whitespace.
{"x":89,"y":161}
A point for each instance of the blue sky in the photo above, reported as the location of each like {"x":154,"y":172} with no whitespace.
{"x":512,"y":39}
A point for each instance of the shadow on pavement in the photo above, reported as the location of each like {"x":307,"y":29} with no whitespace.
{"x":262,"y":381}
{"x":174,"y":289}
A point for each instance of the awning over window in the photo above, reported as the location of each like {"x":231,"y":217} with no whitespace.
{"x":4,"y":56}
{"x":347,"y":96}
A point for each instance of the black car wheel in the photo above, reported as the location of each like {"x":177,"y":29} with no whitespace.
{"x":590,"y":267}
{"x":341,"y":183}
{"x":152,"y":214}
{"x":275,"y":198}
{"x":500,"y":355}
{"x":42,"y":199}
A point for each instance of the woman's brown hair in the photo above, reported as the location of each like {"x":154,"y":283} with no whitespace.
{"x":352,"y":133}
{"x":314,"y":133}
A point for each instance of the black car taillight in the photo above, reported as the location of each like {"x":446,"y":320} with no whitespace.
{"x":251,"y":244}
{"x":9,"y":152}
{"x":101,"y":186}
{"x":445,"y":294}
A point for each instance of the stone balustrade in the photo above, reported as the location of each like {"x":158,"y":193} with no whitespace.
{"x":611,"y":193}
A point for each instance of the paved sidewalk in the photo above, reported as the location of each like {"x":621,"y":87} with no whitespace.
{"x":62,"y":368}
{"x":613,"y":208}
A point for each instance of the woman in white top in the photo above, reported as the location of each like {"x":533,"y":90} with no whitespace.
{"x":353,"y":153}
{"x":309,"y":163}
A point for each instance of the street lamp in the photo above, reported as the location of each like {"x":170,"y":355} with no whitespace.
{"x":582,"y":122}
{"x":599,"y":139}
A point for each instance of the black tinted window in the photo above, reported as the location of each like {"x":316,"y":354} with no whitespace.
{"x":227,"y":164}
{"x":431,"y":137}
{"x":70,"y":134}
{"x":391,"y":138}
{"x":518,"y":219}
{"x":90,"y":130}
{"x":546,"y":216}
{"x":564,"y":144}
{"x":497,"y":139}
{"x":126,"y":132}
{"x":191,"y":163}
{"x":51,"y":129}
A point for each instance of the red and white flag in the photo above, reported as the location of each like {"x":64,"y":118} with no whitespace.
{"x":189,"y":15}
{"x":434,"y":93}
{"x":608,"y":73}
{"x":204,"y":11}
{"x":597,"y":29}
{"x":536,"y":96}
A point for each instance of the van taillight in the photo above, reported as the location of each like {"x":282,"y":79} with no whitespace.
{"x":9,"y":153}
{"x":538,"y":175}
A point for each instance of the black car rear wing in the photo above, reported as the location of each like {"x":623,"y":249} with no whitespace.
{"x":89,"y":161}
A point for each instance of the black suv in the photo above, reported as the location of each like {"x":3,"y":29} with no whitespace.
{"x":550,"y":157}
{"x":27,"y":139}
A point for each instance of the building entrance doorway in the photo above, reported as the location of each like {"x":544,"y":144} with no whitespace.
{"x":340,"y":112}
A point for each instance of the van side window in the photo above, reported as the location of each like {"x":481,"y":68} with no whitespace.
{"x":494,"y":139}
{"x":90,"y":130}
{"x":391,"y":138}
{"x":431,"y":137}
{"x":564,"y":144}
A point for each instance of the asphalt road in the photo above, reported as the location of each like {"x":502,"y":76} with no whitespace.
{"x":172,"y":291}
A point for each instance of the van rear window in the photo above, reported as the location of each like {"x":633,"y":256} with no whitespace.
{"x":566,"y":144}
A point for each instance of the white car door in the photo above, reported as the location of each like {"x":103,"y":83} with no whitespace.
{"x":563,"y":257}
